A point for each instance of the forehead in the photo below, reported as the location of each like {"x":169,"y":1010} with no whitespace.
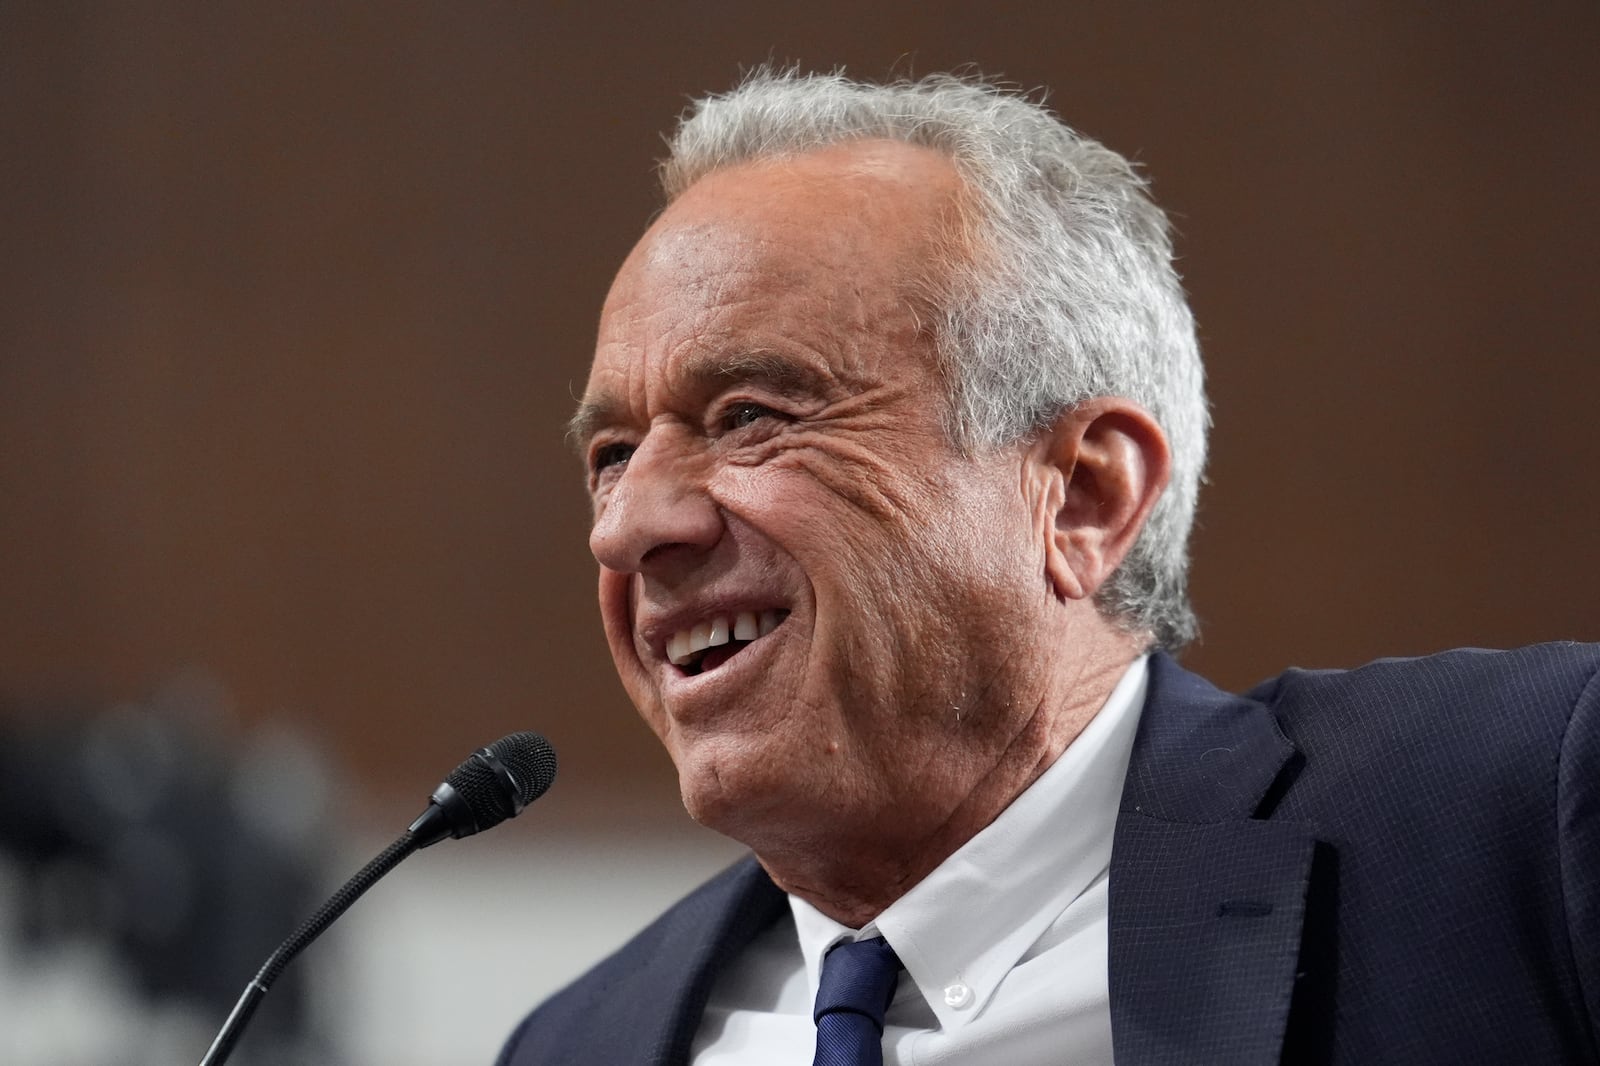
{"x":823,"y":257}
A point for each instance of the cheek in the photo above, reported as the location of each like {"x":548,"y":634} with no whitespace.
{"x":890,"y":486}
{"x":902,"y":522}
{"x":834,"y":543}
{"x":972,"y":574}
{"x":875,"y":467}
{"x":838,"y":492}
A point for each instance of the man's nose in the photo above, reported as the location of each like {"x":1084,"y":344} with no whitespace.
{"x":659,"y":514}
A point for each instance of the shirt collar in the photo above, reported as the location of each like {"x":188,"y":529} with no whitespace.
{"x":971,"y":920}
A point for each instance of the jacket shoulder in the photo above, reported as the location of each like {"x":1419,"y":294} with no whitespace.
{"x":1460,"y":796}
{"x":1462,"y":738}
{"x":1528,"y":692}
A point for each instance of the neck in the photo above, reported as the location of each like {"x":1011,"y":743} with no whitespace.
{"x":868,"y":857}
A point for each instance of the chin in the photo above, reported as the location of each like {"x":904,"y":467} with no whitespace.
{"x":729,"y":785}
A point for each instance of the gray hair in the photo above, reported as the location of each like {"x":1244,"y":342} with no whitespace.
{"x":1074,"y":297}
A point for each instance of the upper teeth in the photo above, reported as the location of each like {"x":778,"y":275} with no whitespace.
{"x":746,"y":625}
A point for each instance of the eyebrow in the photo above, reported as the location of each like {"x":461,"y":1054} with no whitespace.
{"x":707,"y":372}
{"x":590,"y":417}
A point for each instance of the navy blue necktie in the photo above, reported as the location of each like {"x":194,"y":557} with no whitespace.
{"x":858,"y":981}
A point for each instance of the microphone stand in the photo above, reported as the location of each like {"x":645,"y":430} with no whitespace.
{"x":313,"y":927}
{"x":493,"y":784}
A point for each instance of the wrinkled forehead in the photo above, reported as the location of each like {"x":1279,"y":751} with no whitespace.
{"x":865,"y":211}
{"x":828,"y":249}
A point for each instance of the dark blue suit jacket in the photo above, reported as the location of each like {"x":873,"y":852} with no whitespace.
{"x":1396,"y":864}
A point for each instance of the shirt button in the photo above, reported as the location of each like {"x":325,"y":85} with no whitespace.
{"x":958,"y":996}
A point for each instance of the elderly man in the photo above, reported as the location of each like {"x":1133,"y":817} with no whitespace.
{"x":893,"y":436}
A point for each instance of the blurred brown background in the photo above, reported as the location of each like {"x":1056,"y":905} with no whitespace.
{"x":295,"y":298}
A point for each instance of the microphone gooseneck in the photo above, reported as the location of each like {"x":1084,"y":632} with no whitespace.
{"x":493,"y":784}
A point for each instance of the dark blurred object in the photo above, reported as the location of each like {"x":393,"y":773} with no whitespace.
{"x":151,"y":859}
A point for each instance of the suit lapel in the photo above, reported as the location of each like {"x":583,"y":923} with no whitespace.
{"x":1206,"y":900}
{"x":669,"y":1004}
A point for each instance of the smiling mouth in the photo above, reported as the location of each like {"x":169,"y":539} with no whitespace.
{"x":715,"y":640}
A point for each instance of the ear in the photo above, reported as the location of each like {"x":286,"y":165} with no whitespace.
{"x":1099,"y":470}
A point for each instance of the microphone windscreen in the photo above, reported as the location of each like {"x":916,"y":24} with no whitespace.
{"x":500,"y":780}
{"x":531,"y":760}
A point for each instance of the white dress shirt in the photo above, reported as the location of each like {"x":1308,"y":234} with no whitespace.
{"x":1004,"y":943}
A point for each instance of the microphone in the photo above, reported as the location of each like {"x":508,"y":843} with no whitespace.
{"x":493,"y":784}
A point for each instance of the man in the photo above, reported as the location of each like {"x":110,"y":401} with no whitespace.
{"x":893,"y":435}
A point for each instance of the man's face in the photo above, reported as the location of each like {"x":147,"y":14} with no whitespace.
{"x":763,"y":426}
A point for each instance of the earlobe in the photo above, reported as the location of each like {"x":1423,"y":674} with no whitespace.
{"x":1103,"y":465}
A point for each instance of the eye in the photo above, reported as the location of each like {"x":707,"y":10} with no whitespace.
{"x":745,"y":413}
{"x":609,"y":455}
